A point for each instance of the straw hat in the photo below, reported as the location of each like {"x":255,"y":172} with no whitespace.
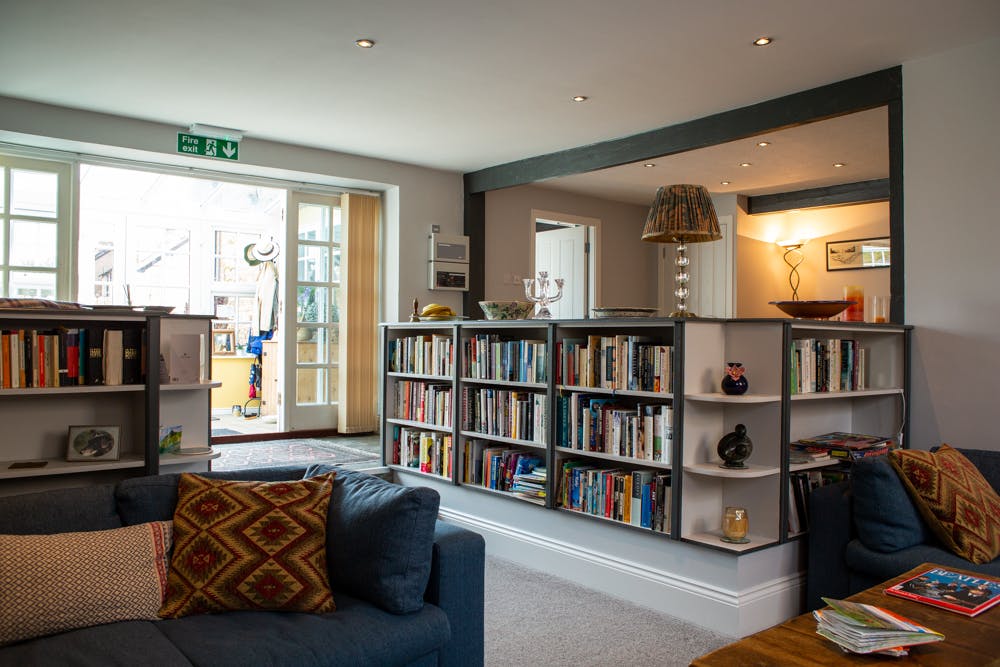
{"x":261,"y":251}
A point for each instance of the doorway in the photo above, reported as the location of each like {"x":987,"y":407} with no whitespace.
{"x":567,"y":247}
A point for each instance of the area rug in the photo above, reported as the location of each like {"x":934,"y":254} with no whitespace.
{"x":224,"y":431}
{"x":288,"y":452}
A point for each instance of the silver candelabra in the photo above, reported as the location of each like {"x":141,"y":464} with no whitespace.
{"x":538,"y":291}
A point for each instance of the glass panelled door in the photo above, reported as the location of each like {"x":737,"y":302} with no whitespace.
{"x":312,"y":326}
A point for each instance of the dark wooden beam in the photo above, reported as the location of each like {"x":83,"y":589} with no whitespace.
{"x":836,"y":99}
{"x":897,"y":286}
{"x":475,"y":229}
{"x":863,"y":192}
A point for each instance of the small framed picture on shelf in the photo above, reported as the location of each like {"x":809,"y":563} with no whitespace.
{"x":224,"y":342}
{"x":94,"y":443}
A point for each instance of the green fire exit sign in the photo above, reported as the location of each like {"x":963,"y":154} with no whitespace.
{"x":223,"y":149}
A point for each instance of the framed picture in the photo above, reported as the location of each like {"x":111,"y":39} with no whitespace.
{"x":858,"y":254}
{"x":224,"y":342}
{"x":94,"y":443}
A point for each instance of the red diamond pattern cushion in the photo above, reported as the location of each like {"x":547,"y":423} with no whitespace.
{"x":955,"y":500}
{"x":249,"y":545}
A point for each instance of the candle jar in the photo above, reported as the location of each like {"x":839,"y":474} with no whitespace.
{"x":856,"y":311}
{"x":735,"y":525}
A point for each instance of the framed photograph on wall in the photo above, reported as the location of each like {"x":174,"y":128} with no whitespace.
{"x":858,"y":254}
{"x":224,"y":342}
{"x":94,"y":443}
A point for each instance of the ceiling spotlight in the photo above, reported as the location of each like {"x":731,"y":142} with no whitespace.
{"x":579,"y":98}
{"x":365,"y":43}
{"x":839,"y":164}
{"x":762,"y":144}
{"x":724,"y":182}
{"x":649,"y":164}
{"x":745,"y":164}
{"x":763,"y":41}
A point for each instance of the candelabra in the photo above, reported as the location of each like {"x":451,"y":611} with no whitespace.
{"x":538,"y":292}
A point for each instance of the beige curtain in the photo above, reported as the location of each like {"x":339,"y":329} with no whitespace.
{"x":358,"y":372}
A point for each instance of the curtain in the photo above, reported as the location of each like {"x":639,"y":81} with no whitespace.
{"x":359,"y":275}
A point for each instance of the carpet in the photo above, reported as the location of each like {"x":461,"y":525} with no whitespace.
{"x":294,"y":451}
{"x":533,"y":618}
{"x":223,"y":431}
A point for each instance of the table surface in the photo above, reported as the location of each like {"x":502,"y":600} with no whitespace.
{"x":967,"y":641}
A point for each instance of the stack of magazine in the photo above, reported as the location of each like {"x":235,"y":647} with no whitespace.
{"x":865,"y":628}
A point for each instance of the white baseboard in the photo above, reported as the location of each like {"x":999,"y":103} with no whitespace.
{"x":735,"y":613}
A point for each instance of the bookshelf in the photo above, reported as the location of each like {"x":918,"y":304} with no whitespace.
{"x":671,"y":367}
{"x":37,"y":418}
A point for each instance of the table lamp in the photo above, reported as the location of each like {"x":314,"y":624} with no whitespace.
{"x":793,"y":257}
{"x":682,"y":214}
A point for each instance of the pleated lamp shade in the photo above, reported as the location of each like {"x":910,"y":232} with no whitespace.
{"x":682,"y":214}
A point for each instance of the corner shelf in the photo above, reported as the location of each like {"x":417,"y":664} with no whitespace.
{"x":180,"y":459}
{"x":716,"y":470}
{"x":714,"y":539}
{"x":719,"y":397}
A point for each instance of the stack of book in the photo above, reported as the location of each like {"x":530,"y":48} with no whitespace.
{"x":865,"y":628}
{"x":841,"y":446}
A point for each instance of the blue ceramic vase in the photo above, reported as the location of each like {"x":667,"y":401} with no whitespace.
{"x":734,"y":383}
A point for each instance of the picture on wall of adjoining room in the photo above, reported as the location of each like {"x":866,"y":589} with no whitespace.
{"x":223,"y":342}
{"x":94,"y":443}
{"x":858,"y":254}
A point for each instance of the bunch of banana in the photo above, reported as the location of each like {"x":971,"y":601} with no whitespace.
{"x":437,"y":311}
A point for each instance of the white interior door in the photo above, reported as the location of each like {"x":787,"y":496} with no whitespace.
{"x":563,"y":253}
{"x":711,"y":269}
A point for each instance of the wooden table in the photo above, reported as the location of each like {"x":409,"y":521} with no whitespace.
{"x":967,"y":642}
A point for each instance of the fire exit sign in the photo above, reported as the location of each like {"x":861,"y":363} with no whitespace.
{"x":223,"y":149}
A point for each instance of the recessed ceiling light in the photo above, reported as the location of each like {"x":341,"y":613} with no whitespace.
{"x":724,"y":182}
{"x":649,"y":164}
{"x":839,"y":164}
{"x":579,"y":98}
{"x":745,"y":164}
{"x":763,"y":41}
{"x":365,"y":43}
{"x":762,"y":144}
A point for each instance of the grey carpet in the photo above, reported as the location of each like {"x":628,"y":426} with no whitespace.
{"x":533,"y":618}
{"x":224,"y":431}
{"x":303,"y":451}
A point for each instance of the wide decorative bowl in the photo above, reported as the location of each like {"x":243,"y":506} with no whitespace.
{"x":816,"y":310}
{"x":507,"y":310}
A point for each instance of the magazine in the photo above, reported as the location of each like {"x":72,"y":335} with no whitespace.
{"x":865,"y":628}
{"x":841,"y":440}
{"x":961,"y":593}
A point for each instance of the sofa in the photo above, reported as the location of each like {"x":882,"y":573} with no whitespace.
{"x":374,"y":551}
{"x":866,"y":530}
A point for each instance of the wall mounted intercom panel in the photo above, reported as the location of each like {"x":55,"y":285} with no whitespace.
{"x":448,"y":262}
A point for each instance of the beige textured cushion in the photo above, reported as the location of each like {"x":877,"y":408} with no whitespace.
{"x":53,"y":583}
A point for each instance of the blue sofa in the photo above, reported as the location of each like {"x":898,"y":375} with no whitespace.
{"x":385,"y":547}
{"x":867,"y":530}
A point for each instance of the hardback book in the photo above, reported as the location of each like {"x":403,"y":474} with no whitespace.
{"x":113,"y":356}
{"x":939,"y":587}
{"x":95,"y":355}
{"x":131,"y":356}
{"x":846,"y":441}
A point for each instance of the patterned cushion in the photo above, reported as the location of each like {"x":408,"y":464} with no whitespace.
{"x":249,"y":545}
{"x":53,"y":583}
{"x":958,"y":504}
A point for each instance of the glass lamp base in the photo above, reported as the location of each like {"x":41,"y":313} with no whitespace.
{"x":682,"y":313}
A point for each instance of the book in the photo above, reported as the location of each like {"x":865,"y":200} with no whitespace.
{"x":113,"y":356}
{"x":845,"y":441}
{"x":939,"y":587}
{"x":865,"y":628}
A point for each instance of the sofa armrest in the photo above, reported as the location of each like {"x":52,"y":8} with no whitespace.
{"x":456,"y":585}
{"x":830,"y":529}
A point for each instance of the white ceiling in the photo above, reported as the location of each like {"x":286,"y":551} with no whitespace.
{"x":465,"y":84}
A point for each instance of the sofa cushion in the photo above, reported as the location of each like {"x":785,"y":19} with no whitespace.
{"x":357,"y":634}
{"x":380,"y":539}
{"x":249,"y":545}
{"x":60,"y":511}
{"x":53,"y":583}
{"x":880,"y":566}
{"x":885,"y":518}
{"x":958,"y":504}
{"x":116,"y":644}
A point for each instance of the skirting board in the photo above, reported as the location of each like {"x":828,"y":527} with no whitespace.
{"x":728,"y":612}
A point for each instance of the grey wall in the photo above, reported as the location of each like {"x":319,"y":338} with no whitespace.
{"x":414,"y":198}
{"x":628,"y":266}
{"x":951,"y":166}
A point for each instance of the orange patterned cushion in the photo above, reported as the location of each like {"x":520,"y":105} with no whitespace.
{"x":249,"y":545}
{"x":954,"y":498}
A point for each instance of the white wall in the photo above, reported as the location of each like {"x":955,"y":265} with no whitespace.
{"x":952,"y":235}
{"x":414,"y":197}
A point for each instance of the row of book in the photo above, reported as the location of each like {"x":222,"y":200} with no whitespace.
{"x":516,"y":471}
{"x":599,"y":423}
{"x":824,"y":365}
{"x":521,"y":415}
{"x":429,"y":402}
{"x":491,"y":357}
{"x":800,"y":485}
{"x":839,"y":446}
{"x":63,"y":357}
{"x":427,"y":451}
{"x":430,"y":354}
{"x":622,"y":362}
{"x":637,"y":497}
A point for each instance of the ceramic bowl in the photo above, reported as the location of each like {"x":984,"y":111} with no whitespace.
{"x":819,"y":310}
{"x":507,"y":310}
